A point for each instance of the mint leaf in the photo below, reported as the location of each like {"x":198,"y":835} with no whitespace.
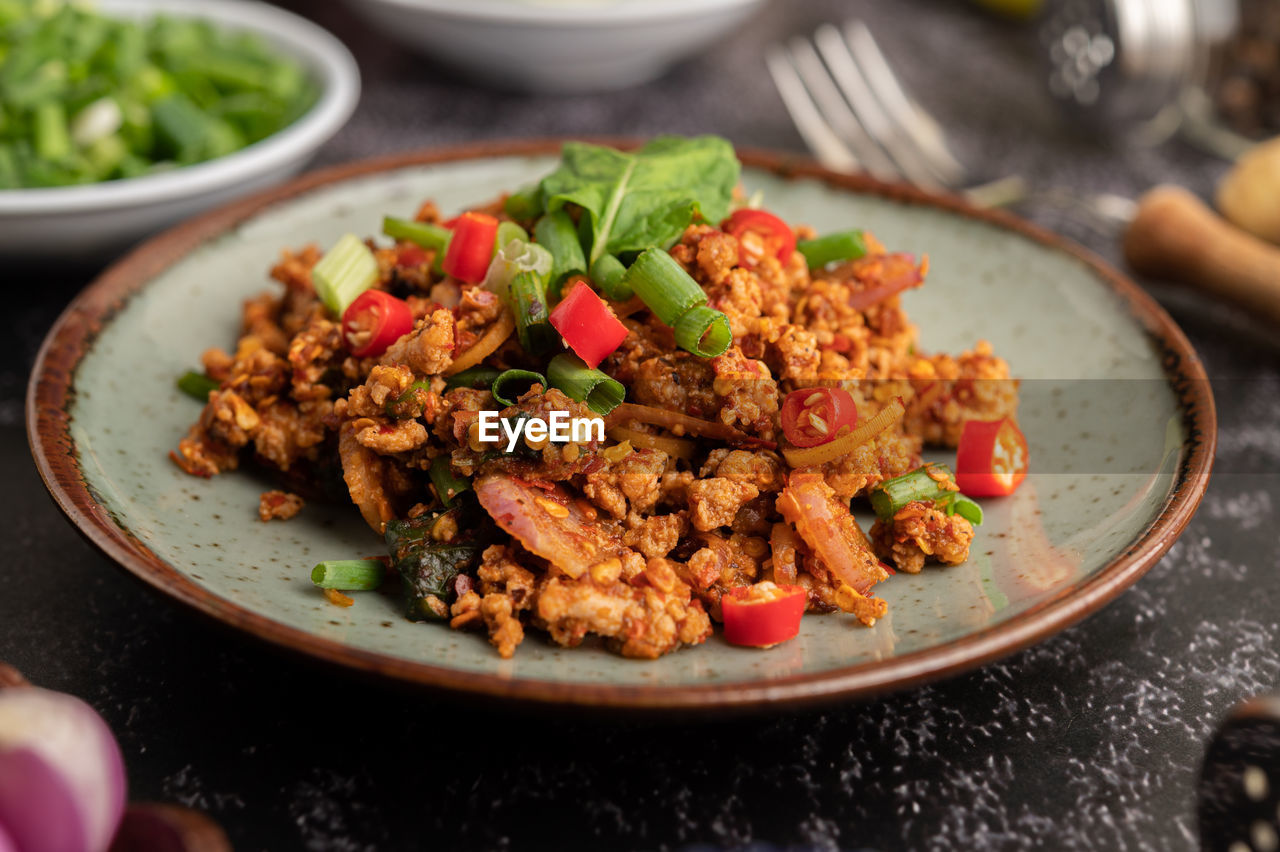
{"x":646,"y":198}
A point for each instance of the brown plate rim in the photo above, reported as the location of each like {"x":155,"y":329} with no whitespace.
{"x":50,"y":392}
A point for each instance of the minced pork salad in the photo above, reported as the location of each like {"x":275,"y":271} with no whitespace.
{"x":624,"y":401}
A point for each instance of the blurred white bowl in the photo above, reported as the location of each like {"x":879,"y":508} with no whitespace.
{"x":93,"y":220}
{"x":557,"y":45}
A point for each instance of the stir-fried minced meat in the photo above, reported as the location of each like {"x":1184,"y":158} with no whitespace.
{"x":948,"y":391}
{"x":278,"y":505}
{"x":692,"y":488}
{"x":919,"y":531}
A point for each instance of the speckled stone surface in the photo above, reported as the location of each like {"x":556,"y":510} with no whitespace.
{"x":1088,"y":741}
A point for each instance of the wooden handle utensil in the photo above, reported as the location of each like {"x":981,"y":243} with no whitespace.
{"x":1176,"y":237}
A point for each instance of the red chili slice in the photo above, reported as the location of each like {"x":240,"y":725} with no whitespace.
{"x":762,"y":615}
{"x":587,"y":325}
{"x":374,"y":321}
{"x":992,"y":458}
{"x":471,"y":247}
{"x":814,"y":416}
{"x":778,"y":239}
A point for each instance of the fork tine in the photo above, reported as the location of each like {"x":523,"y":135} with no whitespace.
{"x":868,"y":110}
{"x":826,"y":146}
{"x":917,"y":123}
{"x":833,"y":107}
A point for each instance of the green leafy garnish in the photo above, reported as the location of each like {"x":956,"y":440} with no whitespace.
{"x":635,"y":200}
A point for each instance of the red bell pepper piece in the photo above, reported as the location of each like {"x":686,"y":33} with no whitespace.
{"x":813,"y":416}
{"x":762,"y":615}
{"x":587,"y":325}
{"x":374,"y":321}
{"x":777,"y":237}
{"x":471,"y":247}
{"x":992,"y":458}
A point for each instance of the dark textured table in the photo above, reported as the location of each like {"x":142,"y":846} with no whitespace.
{"x":1090,"y":740}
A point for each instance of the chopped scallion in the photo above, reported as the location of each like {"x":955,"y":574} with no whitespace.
{"x":557,"y":233}
{"x":888,"y":498}
{"x":703,"y":331}
{"x":197,"y":385}
{"x":508,"y":231}
{"x":830,"y":248}
{"x":511,"y":384}
{"x":610,"y":276}
{"x":570,"y":374}
{"x":349,"y":575}
{"x":423,"y":234}
{"x":663,"y":285}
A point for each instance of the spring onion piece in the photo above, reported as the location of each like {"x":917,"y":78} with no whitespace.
{"x":52,"y":138}
{"x":609,"y":274}
{"x":423,"y":234}
{"x":447,"y":485}
{"x":965,"y":507}
{"x":828,"y":249}
{"x":519,"y":273}
{"x":349,"y":575}
{"x":345,"y":271}
{"x":524,"y":204}
{"x":527,"y":296}
{"x":571,"y":375}
{"x":473,"y":377}
{"x":928,"y":484}
{"x":704,"y":332}
{"x":197,"y":385}
{"x":559,"y":235}
{"x":511,"y":384}
{"x":508,"y":231}
{"x":663,"y":285}
{"x":63,"y":782}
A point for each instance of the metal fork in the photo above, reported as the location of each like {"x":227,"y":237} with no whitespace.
{"x":855,"y":115}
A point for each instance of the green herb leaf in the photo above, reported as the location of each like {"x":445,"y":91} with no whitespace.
{"x":646,"y":198}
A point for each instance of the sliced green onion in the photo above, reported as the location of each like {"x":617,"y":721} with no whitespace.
{"x":511,"y":384}
{"x":966,"y":508}
{"x":570,"y":374}
{"x":824,"y":250}
{"x":663,"y":285}
{"x":508,"y":231}
{"x":557,"y":233}
{"x":180,"y":126}
{"x":447,"y":485}
{"x":527,"y":298}
{"x":197,"y":385}
{"x":609,"y":275}
{"x":349,"y":575}
{"x":472,"y":377}
{"x":704,"y":332}
{"x":345,"y":271}
{"x":890,"y":496}
{"x":524,"y":204}
{"x":52,"y":139}
{"x":518,"y":273}
{"x":423,"y":234}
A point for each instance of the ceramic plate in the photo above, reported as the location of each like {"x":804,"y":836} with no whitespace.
{"x":1115,"y":405}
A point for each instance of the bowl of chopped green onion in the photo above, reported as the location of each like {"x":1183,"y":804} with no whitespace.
{"x":123,"y":117}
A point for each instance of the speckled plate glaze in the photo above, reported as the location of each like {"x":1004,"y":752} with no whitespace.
{"x":1118,"y":472}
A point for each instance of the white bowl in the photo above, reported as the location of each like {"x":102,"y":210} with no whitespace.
{"x":562,"y":46}
{"x":92,"y":220}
